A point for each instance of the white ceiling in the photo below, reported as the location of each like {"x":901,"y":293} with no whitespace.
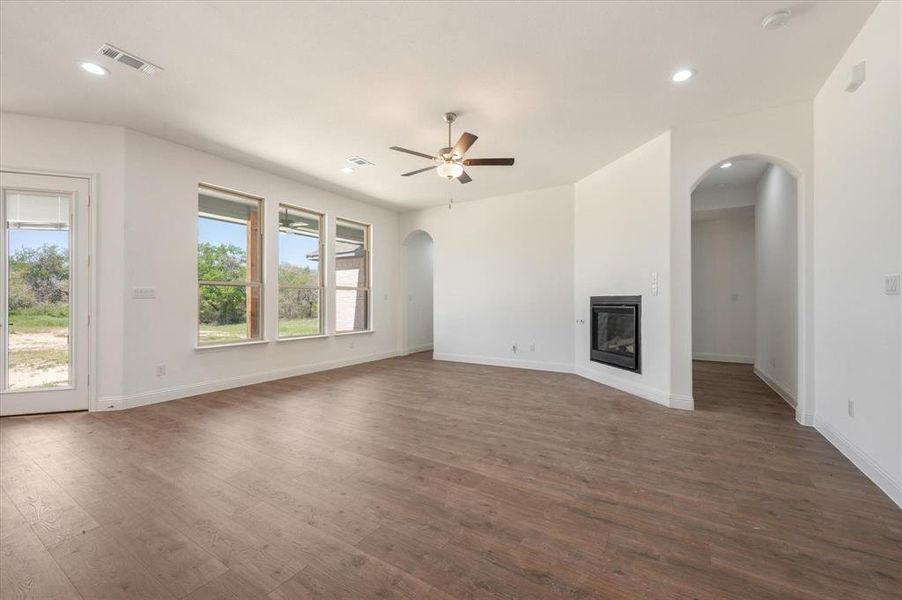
{"x":743,"y":172}
{"x":297,"y":87}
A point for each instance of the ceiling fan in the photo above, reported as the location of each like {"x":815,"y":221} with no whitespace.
{"x":450,"y":161}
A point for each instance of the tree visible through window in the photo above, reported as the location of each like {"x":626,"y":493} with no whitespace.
{"x":352,"y":278}
{"x":300,"y":275}
{"x":229,"y":267}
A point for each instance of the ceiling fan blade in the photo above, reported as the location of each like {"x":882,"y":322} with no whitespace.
{"x":464,"y":178}
{"x":414,"y":152}
{"x":489,"y":162}
{"x":463,"y":144}
{"x":418,"y":171}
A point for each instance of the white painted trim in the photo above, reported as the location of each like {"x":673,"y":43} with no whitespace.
{"x":515,"y":363}
{"x":727,"y":358}
{"x":420,"y":348}
{"x":777,"y":387}
{"x":631,"y":387}
{"x":682,"y":402}
{"x":862,"y":460}
{"x":193,"y":389}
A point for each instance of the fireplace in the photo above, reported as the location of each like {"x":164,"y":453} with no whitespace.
{"x":616,"y":334}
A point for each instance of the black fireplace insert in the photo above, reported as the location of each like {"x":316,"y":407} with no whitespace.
{"x":616,"y":332}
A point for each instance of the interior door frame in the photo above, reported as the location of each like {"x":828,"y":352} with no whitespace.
{"x":91,"y":301}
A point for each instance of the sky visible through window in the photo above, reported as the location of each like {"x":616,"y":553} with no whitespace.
{"x":293,"y":250}
{"x":35,"y":238}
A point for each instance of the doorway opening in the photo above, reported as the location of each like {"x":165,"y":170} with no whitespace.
{"x":45,"y":299}
{"x":418,"y":269}
{"x":745,"y":297}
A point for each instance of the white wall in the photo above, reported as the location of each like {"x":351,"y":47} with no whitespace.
{"x":776,"y":243}
{"x":857,"y":139}
{"x":418,"y":259}
{"x":161,"y":238}
{"x":503,"y":276}
{"x":723,"y":284}
{"x":147,"y":237}
{"x":723,"y":197}
{"x":622,"y":231}
{"x":782,"y":135}
{"x":84,"y":149}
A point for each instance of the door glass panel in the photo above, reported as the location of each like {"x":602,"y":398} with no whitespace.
{"x":38,"y":289}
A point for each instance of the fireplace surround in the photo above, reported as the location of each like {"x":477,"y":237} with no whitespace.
{"x":616,"y":338}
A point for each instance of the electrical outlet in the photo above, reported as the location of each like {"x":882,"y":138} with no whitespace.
{"x":891,"y":283}
{"x":532,"y":347}
{"x":161,"y":369}
{"x":852,"y":408}
{"x":514,"y":348}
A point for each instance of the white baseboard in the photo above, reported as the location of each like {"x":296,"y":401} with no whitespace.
{"x":777,"y":387}
{"x":727,"y":358}
{"x":415,"y":349}
{"x":516,"y":363}
{"x":638,"y":389}
{"x":863,"y":461}
{"x":194,"y":389}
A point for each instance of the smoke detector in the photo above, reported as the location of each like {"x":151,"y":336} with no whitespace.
{"x":129,"y":60}
{"x":777,"y":19}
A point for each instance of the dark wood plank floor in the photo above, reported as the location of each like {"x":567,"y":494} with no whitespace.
{"x":409,"y":478}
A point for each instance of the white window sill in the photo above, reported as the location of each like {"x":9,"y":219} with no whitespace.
{"x":337,"y":334}
{"x":319,"y":336}
{"x":230,"y":345}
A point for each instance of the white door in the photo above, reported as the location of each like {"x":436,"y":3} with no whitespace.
{"x":44,"y":293}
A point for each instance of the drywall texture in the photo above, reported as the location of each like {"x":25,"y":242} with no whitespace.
{"x":503,"y":278}
{"x":776,"y":244}
{"x":782,"y":135}
{"x":857,"y":144}
{"x":418,"y":258}
{"x":622,"y":241}
{"x":83,"y":149}
{"x":723,"y":285}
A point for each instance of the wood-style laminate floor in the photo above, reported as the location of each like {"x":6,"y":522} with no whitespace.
{"x":409,"y":478}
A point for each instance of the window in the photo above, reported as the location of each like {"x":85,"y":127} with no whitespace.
{"x":300,"y":275}
{"x":352,"y":276}
{"x":229,"y":266}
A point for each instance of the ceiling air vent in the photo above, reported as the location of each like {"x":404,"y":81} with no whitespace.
{"x":359,"y":161}
{"x":127,"y":59}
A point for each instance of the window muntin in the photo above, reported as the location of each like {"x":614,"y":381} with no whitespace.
{"x":229,"y":267}
{"x":300,"y":272}
{"x":352,"y":276}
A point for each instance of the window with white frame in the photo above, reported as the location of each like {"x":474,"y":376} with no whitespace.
{"x":352,"y":276}
{"x":229,"y":266}
{"x":300,"y":272}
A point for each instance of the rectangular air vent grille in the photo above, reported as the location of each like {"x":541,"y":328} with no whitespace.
{"x":359,"y":161}
{"x":127,"y":59}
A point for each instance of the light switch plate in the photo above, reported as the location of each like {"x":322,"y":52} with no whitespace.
{"x":891,"y":283}
{"x":143,"y":293}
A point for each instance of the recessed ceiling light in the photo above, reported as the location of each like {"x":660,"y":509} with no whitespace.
{"x":726,"y":165}
{"x":683,"y":75}
{"x":94,"y":68}
{"x":776,"y":19}
{"x":347,"y":169}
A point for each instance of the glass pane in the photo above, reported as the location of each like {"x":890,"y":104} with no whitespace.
{"x":224,"y":311}
{"x":38,"y":290}
{"x":298,"y":312}
{"x":351,"y":310}
{"x":228,"y":237}
{"x":350,"y":254}
{"x":616,"y":330}
{"x":299,"y":259}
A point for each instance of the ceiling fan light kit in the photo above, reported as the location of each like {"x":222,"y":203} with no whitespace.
{"x":450,"y":161}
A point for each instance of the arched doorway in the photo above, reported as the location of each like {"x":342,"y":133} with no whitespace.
{"x":418,"y":266}
{"x":746,"y":308}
